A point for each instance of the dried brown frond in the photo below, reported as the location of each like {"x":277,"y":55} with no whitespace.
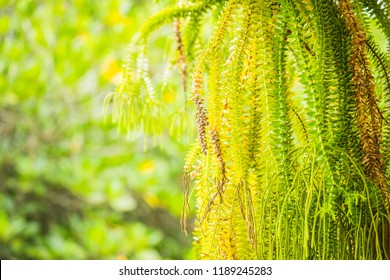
{"x":218,"y":152}
{"x":201,"y":113}
{"x":182,"y":61}
{"x":369,"y":117}
{"x":246,"y":207}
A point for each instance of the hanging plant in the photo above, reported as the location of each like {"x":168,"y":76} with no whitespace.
{"x":291,"y":102}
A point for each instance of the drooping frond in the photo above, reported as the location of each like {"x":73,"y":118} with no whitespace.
{"x":368,"y":113}
{"x":291,"y":101}
{"x":382,"y":64}
{"x":135,"y":104}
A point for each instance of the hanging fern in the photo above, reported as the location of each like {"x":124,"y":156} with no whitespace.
{"x":292,"y":106}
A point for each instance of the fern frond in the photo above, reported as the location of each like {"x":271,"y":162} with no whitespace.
{"x":382,"y":65}
{"x":190,"y":172}
{"x":369,"y":117}
{"x":381,"y":12}
{"x":169,"y":14}
{"x":135,"y":104}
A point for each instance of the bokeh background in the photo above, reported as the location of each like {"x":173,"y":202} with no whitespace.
{"x":71,"y":186}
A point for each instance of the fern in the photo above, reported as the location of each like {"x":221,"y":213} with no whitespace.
{"x":291,"y":102}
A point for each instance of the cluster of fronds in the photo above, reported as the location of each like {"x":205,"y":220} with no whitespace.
{"x":292,"y":102}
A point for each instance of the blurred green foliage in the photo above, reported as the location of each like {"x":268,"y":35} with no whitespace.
{"x":71,"y":187}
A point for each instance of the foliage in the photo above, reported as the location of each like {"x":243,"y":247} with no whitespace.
{"x":291,"y":100}
{"x":69,"y":188}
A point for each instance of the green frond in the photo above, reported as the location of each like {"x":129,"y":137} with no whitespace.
{"x":380,"y":11}
{"x":282,"y":142}
{"x":169,"y":14}
{"x":382,"y":65}
{"x":135,"y":105}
